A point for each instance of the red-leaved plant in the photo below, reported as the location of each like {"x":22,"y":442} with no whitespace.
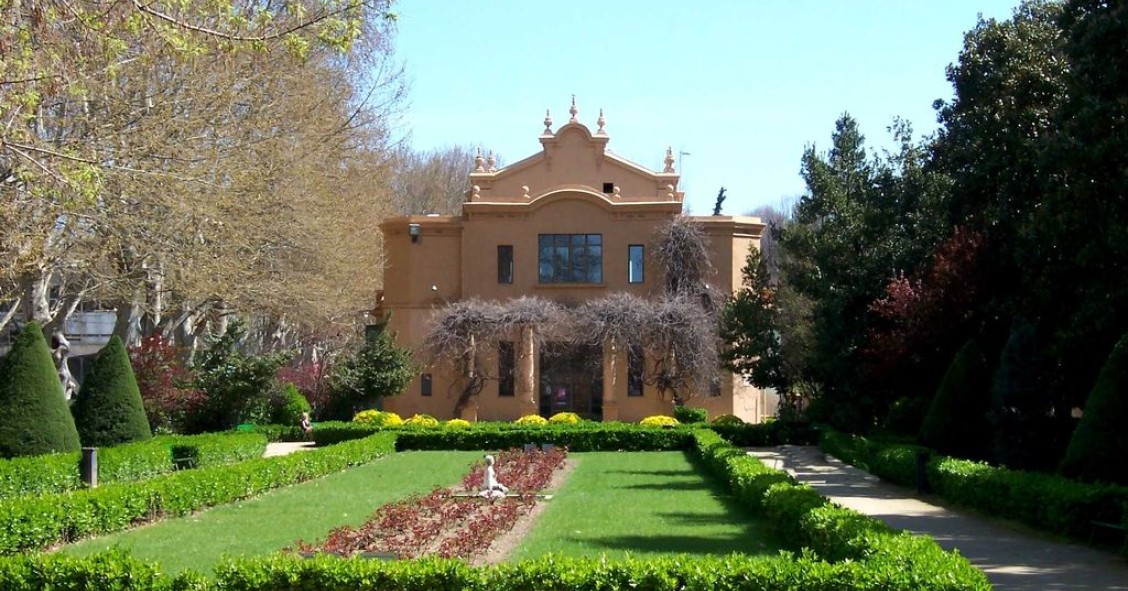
{"x":168,"y":390}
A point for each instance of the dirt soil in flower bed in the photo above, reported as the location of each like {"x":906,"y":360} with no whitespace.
{"x":454,"y":522}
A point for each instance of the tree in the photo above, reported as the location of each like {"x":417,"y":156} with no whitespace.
{"x":956,"y":423}
{"x":36,"y":417}
{"x":1100,"y":442}
{"x":1021,"y":405}
{"x":237,"y":384}
{"x":167,"y":387}
{"x":750,"y":327}
{"x":108,"y":410}
{"x":431,"y":182}
{"x":376,"y":370}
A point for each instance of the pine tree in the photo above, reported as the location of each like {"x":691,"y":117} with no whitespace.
{"x":108,"y":409}
{"x":36,"y":419}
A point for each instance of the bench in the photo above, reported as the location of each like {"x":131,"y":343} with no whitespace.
{"x":1097,"y":525}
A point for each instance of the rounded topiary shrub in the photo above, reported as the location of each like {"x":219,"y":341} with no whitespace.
{"x":287,"y":407}
{"x":457,"y":423}
{"x":956,"y":422}
{"x":36,"y":419}
{"x":1099,"y":445}
{"x":422,"y":420}
{"x":108,"y":409}
{"x":728,"y":420}
{"x":565,"y":418}
{"x":659,"y":421}
{"x":531,"y":420}
{"x":690,"y":414}
{"x":378,"y":418}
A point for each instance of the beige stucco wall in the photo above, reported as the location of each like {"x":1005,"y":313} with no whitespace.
{"x":455,"y":258}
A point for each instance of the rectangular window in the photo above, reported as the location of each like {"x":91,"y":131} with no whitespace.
{"x":634,"y":371}
{"x":425,"y":384}
{"x":636,"y":256}
{"x":506,"y":368}
{"x":570,"y":258}
{"x":505,"y":263}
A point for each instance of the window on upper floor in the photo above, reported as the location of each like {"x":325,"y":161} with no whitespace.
{"x":636,"y":255}
{"x":505,"y":263}
{"x":570,"y":258}
{"x":425,"y":384}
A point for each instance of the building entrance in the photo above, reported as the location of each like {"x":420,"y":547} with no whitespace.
{"x":571,"y":380}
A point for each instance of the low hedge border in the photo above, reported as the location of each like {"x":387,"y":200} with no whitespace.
{"x":584,"y":436}
{"x":280,"y":432}
{"x":29,"y":523}
{"x":1043,"y":501}
{"x":805,"y":519}
{"x":59,"y":473}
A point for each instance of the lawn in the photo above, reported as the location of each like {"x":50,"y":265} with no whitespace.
{"x":275,"y":520}
{"x":644,"y":504}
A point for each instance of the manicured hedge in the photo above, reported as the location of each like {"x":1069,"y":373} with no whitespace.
{"x":214,"y":449}
{"x":116,"y":570}
{"x":280,"y":432}
{"x":58,"y":473}
{"x":1044,"y":501}
{"x":28,"y":523}
{"x":584,"y":436}
{"x":803,"y":518}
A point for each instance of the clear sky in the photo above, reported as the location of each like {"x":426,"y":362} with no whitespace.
{"x":741,"y":86}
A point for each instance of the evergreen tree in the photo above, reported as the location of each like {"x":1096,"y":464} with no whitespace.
{"x":36,"y":419}
{"x":956,"y":423}
{"x":108,"y":409}
{"x":1021,"y":404}
{"x":1099,"y":445}
{"x":378,"y":369}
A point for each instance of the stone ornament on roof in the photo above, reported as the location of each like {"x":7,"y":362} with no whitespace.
{"x":478,"y":162}
{"x":574,"y":111}
{"x":547,"y":123}
{"x":669,"y":160}
{"x":600,"y":122}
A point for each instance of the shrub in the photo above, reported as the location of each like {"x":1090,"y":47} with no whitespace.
{"x":168,"y":388}
{"x":288,"y":406}
{"x":376,"y":370}
{"x":1024,"y":437}
{"x":55,"y":473}
{"x":906,"y":415}
{"x":659,"y":421}
{"x":108,"y":409}
{"x":36,"y":419}
{"x":1100,"y":442}
{"x":378,"y":418}
{"x":688,"y":414}
{"x":728,"y":420}
{"x":215,"y":449}
{"x":956,"y":422}
{"x":531,"y":420}
{"x":237,"y":384}
{"x":422,"y":420}
{"x":457,"y":423}
{"x":564,"y":418}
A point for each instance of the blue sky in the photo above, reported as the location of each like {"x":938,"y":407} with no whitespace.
{"x":742,"y":86}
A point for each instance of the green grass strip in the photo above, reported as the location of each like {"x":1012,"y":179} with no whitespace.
{"x":643,"y":504}
{"x":276,"y":519}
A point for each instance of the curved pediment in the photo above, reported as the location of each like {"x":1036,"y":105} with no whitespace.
{"x":575,"y":193}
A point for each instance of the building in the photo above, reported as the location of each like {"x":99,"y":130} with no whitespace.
{"x":571,"y":222}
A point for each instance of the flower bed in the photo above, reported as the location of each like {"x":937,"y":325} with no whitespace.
{"x":450,"y":523}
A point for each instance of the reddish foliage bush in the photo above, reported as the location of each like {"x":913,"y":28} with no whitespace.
{"x":312,"y":380}
{"x":168,"y":389}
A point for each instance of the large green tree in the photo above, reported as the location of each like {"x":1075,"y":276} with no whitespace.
{"x":1100,"y":443}
{"x":108,"y":409}
{"x":36,"y":417}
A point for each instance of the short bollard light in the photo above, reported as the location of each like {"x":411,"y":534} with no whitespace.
{"x":88,"y":466}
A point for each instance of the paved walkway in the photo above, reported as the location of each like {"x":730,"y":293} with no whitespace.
{"x":1014,"y":558}
{"x":283,"y":448}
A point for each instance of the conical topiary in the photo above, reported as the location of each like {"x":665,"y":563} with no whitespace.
{"x":34,"y":418}
{"x":1099,"y":445}
{"x":956,"y":423}
{"x":108,"y":409}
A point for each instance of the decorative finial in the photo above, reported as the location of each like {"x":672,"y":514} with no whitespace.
{"x":615,"y":191}
{"x":490,"y":162}
{"x":475,"y":193}
{"x":525,"y":191}
{"x":669,"y":160}
{"x":573,"y":110}
{"x":670,"y":192}
{"x":478,"y":162}
{"x":547,"y":123}
{"x":600,"y":122}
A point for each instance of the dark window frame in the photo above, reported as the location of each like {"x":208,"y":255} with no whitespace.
{"x":426,"y":384}
{"x":505,"y":264}
{"x":569,"y":258}
{"x":641,"y":263}
{"x":636,"y":367}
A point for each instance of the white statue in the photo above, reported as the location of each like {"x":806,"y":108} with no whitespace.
{"x":493,"y":488}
